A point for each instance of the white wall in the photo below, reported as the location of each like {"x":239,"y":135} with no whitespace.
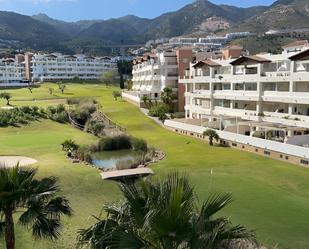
{"x":257,"y":142}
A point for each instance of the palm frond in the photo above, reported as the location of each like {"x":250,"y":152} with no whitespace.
{"x":214,"y":204}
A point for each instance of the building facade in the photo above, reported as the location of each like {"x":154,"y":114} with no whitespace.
{"x":154,"y":72}
{"x":11,"y":72}
{"x":257,"y":103}
{"x":263,"y":88}
{"x":54,"y":67}
{"x":151,"y":74}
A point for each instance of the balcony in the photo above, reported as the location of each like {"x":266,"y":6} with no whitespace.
{"x":198,"y":109}
{"x":248,"y":114}
{"x":286,"y":97}
{"x":236,"y":95}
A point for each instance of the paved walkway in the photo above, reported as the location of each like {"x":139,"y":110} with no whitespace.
{"x":11,"y":161}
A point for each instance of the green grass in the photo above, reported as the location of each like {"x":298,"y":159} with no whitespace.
{"x":270,"y":196}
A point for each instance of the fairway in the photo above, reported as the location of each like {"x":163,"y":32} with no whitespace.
{"x":271,"y":197}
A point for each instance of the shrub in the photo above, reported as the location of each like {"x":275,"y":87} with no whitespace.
{"x":159,"y":110}
{"x":83,"y":112}
{"x":139,"y":145}
{"x":116,"y":94}
{"x":61,"y":117}
{"x":69,"y":145}
{"x":80,"y":100}
{"x":121,"y":142}
{"x":22,"y":115}
{"x":57,"y":114}
{"x":95,"y":127}
{"x":83,"y":153}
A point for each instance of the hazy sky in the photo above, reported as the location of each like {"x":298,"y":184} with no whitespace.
{"x":72,"y":10}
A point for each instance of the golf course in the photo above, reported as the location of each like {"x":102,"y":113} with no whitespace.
{"x":270,"y":196}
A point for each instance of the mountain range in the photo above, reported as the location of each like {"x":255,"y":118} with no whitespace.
{"x":202,"y":17}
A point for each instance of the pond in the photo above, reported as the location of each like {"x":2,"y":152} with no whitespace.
{"x":109,"y":159}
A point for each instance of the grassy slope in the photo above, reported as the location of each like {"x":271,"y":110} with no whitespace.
{"x":270,"y":196}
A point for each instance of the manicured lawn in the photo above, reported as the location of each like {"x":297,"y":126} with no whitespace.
{"x":270,"y":196}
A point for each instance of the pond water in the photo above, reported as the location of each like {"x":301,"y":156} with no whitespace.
{"x":109,"y":159}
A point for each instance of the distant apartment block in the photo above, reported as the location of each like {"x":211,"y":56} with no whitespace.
{"x":11,"y":71}
{"x":53,"y":67}
{"x":29,"y":67}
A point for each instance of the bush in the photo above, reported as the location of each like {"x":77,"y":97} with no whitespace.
{"x":121,"y":142}
{"x":139,"y":145}
{"x":80,"y":100}
{"x":159,"y":110}
{"x":69,"y":145}
{"x":22,"y":115}
{"x":83,"y":112}
{"x":83,"y":153}
{"x":116,"y":94}
{"x":95,"y":127}
{"x":57,"y":113}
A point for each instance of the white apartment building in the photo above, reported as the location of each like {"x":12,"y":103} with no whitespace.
{"x":265,"y":87}
{"x":53,"y":67}
{"x":11,"y":72}
{"x":257,"y":103}
{"x":151,"y":74}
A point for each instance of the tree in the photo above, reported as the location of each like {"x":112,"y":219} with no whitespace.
{"x":121,"y":82}
{"x":62,"y":87}
{"x":109,"y":77}
{"x":124,"y":68}
{"x":167,"y":97}
{"x":116,"y":94}
{"x":7,"y":96}
{"x":129,"y":85}
{"x":50,"y":90}
{"x":30,"y":88}
{"x":160,"y":215}
{"x":211,"y":134}
{"x":36,"y":202}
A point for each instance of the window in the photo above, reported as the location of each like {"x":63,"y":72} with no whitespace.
{"x":286,"y":158}
{"x":266,"y":152}
{"x":233,"y":144}
{"x":304,"y":162}
{"x":243,"y":146}
{"x":256,"y":150}
{"x":281,"y":156}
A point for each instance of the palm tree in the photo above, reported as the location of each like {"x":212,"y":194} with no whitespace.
{"x":168,"y":96}
{"x":35,"y":200}
{"x":160,"y":215}
{"x":211,"y":134}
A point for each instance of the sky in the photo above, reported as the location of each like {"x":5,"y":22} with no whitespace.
{"x":73,"y":10}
